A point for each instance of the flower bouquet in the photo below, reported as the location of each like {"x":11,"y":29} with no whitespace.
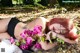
{"x":29,"y":38}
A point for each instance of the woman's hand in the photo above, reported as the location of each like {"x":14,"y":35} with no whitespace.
{"x":47,"y":46}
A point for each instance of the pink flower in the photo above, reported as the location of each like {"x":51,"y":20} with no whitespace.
{"x":24,"y":46}
{"x":37,"y":45}
{"x":29,"y":40}
{"x":23,"y":35}
{"x":37,"y":30}
{"x":12,"y":40}
{"x":40,"y":28}
{"x":29,"y":32}
{"x":25,"y":31}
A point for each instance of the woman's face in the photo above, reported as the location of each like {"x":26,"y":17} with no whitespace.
{"x":58,"y":28}
{"x":59,"y":25}
{"x":62,"y":26}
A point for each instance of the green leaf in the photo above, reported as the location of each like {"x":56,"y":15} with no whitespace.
{"x":23,"y":41}
{"x":60,"y":40}
{"x":36,"y":1}
{"x":17,"y":43}
{"x":78,"y":32}
{"x":43,"y":39}
{"x":39,"y":40}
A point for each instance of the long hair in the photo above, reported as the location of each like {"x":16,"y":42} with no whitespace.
{"x":65,"y":22}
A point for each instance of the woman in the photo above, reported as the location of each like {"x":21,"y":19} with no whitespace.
{"x":13,"y":27}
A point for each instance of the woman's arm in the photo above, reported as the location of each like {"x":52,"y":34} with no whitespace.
{"x":67,"y":40}
{"x":4,"y":35}
{"x":63,"y":38}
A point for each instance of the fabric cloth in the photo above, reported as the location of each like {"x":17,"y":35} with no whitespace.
{"x":11,"y":26}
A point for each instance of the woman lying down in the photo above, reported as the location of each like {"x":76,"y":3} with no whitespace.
{"x":38,"y":34}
